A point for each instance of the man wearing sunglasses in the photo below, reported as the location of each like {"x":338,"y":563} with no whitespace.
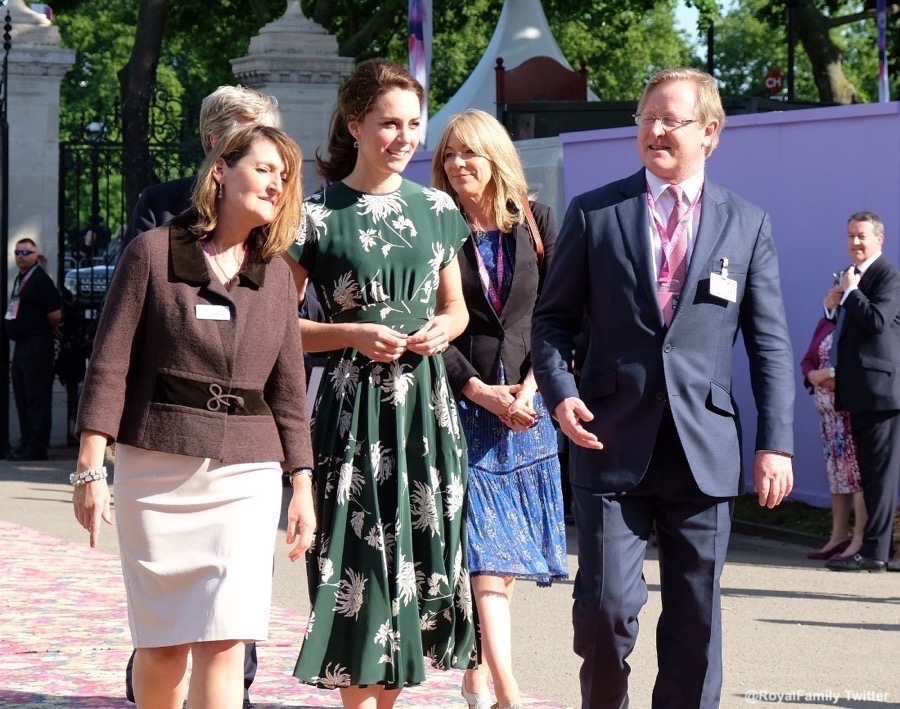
{"x":35,"y":310}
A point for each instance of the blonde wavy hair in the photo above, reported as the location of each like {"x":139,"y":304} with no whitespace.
{"x":486,"y":136}
{"x":275,"y":237}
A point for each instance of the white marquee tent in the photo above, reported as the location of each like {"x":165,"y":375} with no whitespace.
{"x":522,"y":32}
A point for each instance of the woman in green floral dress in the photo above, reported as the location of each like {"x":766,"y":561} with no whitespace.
{"x":388,"y":573}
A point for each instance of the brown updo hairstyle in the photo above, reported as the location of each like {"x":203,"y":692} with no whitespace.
{"x":369,"y":82}
{"x":275,"y":237}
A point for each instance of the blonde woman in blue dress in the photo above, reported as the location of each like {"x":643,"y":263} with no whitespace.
{"x":515,"y":507}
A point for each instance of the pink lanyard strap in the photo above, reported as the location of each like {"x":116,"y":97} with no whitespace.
{"x":21,"y":280}
{"x":666,"y":244}
{"x":492,"y":288}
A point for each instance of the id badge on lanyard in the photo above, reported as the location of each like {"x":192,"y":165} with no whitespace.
{"x":13,"y":309}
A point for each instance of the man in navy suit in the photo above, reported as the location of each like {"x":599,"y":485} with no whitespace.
{"x":867,"y":382}
{"x":654,"y":423}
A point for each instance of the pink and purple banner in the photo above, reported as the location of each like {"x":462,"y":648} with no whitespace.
{"x":884,"y":90}
{"x":420,"y":51}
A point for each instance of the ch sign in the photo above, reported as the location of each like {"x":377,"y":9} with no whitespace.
{"x":774,"y":81}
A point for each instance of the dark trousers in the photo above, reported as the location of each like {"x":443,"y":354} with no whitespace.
{"x":610,"y":590}
{"x":876,"y":435}
{"x":31,"y":372}
{"x":250,"y":664}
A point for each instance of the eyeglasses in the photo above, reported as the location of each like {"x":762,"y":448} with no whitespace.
{"x":668,"y":122}
{"x":24,"y":252}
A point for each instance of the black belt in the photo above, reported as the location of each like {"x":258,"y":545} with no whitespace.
{"x":209,"y":396}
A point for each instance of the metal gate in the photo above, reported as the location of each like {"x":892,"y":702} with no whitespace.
{"x":94,"y":210}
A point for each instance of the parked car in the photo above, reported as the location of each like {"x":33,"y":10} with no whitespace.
{"x":88,"y":286}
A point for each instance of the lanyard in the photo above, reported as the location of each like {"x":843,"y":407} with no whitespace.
{"x":21,"y":280}
{"x":665,"y":243}
{"x":492,"y":288}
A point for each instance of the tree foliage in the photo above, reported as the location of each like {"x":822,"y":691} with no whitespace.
{"x":622,"y":42}
{"x":827,"y":32}
{"x":747,"y":47}
{"x":179,"y":50}
{"x":199,"y":40}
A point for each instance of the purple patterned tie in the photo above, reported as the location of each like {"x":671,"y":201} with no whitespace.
{"x":673,"y":270}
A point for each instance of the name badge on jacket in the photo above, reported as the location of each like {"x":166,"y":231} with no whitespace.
{"x":206,"y":311}
{"x":721,"y":286}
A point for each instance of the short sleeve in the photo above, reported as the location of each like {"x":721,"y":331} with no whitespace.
{"x":305,"y":249}
{"x":453,"y":228}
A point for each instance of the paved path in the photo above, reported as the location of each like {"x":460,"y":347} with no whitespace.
{"x":795,"y":634}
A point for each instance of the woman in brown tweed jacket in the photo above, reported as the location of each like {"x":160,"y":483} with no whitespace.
{"x":197,"y":375}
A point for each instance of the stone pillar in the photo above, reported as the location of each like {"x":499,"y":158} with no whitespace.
{"x":36,"y":67}
{"x":296,"y":61}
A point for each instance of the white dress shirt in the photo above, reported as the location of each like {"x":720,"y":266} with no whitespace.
{"x":862,"y":268}
{"x":664,"y":203}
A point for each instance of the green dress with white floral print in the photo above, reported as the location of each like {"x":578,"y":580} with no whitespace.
{"x":388,"y":572}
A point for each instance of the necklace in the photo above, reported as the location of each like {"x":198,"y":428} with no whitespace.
{"x":215,"y":260}
{"x":477,"y":230}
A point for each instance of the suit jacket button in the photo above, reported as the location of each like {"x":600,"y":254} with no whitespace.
{"x":667,"y":348}
{"x":660,"y":396}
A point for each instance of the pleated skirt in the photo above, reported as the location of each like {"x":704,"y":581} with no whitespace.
{"x":197,"y":540}
{"x":515,"y":516}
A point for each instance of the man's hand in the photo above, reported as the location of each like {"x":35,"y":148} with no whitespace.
{"x":850,"y":278}
{"x":570,"y":413}
{"x":833,"y":297}
{"x":773,"y":478}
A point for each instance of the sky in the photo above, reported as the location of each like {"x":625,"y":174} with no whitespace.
{"x":686,"y":18}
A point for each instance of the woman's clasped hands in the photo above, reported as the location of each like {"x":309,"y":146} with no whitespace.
{"x":382,"y":344}
{"x":513,"y":404}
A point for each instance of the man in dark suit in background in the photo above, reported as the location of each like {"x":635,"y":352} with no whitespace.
{"x":33,"y":317}
{"x":867,"y":382}
{"x":668,"y":267}
{"x":224,"y":108}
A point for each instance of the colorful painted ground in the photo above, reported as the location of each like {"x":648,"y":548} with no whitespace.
{"x":64,"y":637}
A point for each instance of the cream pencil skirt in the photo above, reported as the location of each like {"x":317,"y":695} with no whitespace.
{"x":197,"y":540}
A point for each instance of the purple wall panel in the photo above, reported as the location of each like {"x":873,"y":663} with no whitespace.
{"x":419,"y":168}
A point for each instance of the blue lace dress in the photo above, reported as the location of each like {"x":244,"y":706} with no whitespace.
{"x":515,"y":514}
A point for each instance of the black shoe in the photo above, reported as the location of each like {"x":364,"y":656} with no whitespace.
{"x":893,"y":565}
{"x":856,"y":563}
